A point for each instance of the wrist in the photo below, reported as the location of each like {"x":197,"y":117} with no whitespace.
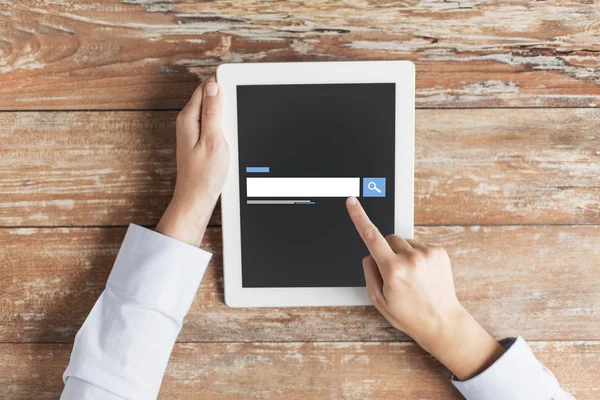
{"x":186,"y":218}
{"x":462,"y":345}
{"x":441,"y":329}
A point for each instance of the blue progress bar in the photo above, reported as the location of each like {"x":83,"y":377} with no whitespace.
{"x":258,"y":169}
{"x":304,"y":202}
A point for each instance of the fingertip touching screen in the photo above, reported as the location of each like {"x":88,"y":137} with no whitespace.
{"x":303,"y":149}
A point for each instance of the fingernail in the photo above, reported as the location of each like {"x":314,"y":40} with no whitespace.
{"x":212,"y":89}
{"x":352,"y":201}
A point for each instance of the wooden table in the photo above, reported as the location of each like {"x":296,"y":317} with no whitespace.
{"x":507,"y":178}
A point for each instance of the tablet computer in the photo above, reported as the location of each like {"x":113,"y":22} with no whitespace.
{"x":303,"y":137}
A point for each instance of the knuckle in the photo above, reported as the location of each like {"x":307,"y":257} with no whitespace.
{"x":355,"y":215}
{"x":440,"y":250}
{"x":214,"y":143}
{"x":415,"y":258}
{"x":373,"y":296}
{"x":367,"y":260}
{"x":370,"y":233}
{"x":388,"y":262}
{"x":437,"y":251}
{"x":210,"y":109}
{"x":182,"y":115}
{"x":181,"y":118}
{"x":395,"y":274}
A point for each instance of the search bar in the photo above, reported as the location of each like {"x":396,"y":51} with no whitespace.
{"x":303,"y":187}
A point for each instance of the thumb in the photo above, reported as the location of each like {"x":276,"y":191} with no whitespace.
{"x":211,"y":119}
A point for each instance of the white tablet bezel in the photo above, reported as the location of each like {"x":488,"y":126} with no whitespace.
{"x":402,"y":73}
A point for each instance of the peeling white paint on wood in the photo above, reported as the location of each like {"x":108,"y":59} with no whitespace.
{"x":473,"y":167}
{"x":547,"y":50}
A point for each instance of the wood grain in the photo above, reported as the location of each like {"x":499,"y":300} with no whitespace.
{"x":86,"y":168}
{"x":513,"y":194}
{"x":472,"y":167}
{"x":140,"y":54}
{"x":542,"y":282}
{"x":294,"y":371}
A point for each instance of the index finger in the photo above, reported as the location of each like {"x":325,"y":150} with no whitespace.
{"x":376,"y":243}
{"x":194,"y":104}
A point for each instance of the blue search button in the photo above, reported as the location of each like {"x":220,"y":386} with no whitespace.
{"x":373,"y":187}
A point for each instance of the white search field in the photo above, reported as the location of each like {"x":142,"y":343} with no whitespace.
{"x":302,"y":187}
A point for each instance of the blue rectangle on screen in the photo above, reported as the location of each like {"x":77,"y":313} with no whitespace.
{"x":373,"y":187}
{"x":258,"y":169}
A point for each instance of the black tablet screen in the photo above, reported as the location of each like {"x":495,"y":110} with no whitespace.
{"x":302,"y":150}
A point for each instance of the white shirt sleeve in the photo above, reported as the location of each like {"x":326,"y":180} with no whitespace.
{"x":122,"y":349}
{"x":516,"y":375}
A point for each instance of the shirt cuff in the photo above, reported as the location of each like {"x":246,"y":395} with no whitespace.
{"x":158,"y":271}
{"x":77,"y":389}
{"x":124,"y":344}
{"x":516,"y":375}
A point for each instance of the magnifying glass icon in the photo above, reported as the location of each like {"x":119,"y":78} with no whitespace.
{"x":373,"y":186}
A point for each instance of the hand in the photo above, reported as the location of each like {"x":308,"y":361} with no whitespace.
{"x":411,"y":284}
{"x":202,"y":164}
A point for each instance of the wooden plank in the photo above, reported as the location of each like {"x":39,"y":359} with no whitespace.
{"x":542,"y":282}
{"x":294,"y":371}
{"x":472,"y":167}
{"x":86,"y":168}
{"x":150,"y":54}
{"x":507,"y":167}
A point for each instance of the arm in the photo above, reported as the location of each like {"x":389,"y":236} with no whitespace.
{"x":122,"y":349}
{"x":411,"y":284}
